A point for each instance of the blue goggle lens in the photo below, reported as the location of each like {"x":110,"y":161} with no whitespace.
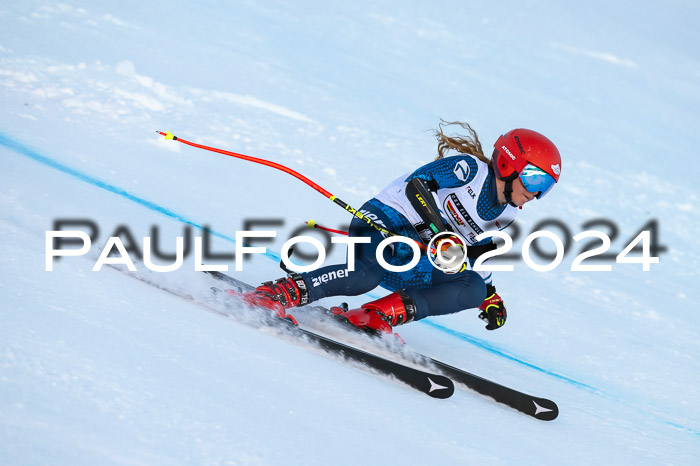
{"x":536,"y":180}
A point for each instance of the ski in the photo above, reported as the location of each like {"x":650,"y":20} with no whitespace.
{"x":432,"y":384}
{"x":539,"y":408}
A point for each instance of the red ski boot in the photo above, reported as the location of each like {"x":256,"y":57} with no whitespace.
{"x":382,"y":315}
{"x":280,"y":295}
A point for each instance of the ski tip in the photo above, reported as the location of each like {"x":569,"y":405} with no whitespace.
{"x":545,"y":410}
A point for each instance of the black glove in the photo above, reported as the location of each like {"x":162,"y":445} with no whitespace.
{"x":493,"y":311}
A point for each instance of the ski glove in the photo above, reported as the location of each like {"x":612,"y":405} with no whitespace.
{"x":493,"y":311}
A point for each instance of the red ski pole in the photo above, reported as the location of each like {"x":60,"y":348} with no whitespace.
{"x":335,"y":199}
{"x":313,"y":224}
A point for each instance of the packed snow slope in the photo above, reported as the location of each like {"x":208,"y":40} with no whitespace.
{"x":100,"y":368}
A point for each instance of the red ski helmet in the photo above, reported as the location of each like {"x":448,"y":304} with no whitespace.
{"x":523,"y":148}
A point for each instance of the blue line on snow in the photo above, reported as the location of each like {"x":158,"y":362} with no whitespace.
{"x":617,"y":399}
{"x":24,"y":150}
{"x":492,"y":349}
{"x":681,"y":427}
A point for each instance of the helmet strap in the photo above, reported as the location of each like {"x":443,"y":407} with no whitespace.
{"x":507,"y":191}
{"x":508,"y":188}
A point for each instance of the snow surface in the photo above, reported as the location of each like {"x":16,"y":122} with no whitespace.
{"x":99,"y":368}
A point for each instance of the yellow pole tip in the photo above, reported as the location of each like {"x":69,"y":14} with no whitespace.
{"x":311,"y":223}
{"x":169,"y":135}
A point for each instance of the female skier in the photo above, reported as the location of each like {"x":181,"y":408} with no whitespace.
{"x":464,"y":194}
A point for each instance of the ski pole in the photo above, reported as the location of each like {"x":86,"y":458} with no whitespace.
{"x":313,"y":224}
{"x":335,"y":199}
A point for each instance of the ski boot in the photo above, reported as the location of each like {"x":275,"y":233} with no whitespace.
{"x":380,"y":316}
{"x":278,"y":296}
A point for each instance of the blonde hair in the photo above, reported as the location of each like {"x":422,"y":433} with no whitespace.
{"x":464,"y":144}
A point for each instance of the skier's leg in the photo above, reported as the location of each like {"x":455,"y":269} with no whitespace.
{"x":338,"y":280}
{"x":449,"y":293}
{"x":333,"y":280}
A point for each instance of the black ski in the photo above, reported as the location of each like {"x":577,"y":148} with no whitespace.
{"x":539,"y":408}
{"x":434,"y":385}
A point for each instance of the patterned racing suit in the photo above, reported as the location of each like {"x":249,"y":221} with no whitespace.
{"x":467,"y":198}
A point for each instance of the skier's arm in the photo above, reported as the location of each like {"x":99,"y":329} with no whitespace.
{"x":421,"y":198}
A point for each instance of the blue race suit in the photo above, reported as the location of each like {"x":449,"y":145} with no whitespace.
{"x":467,"y":199}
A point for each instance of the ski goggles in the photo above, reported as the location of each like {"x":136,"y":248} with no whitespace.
{"x":536,"y":180}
